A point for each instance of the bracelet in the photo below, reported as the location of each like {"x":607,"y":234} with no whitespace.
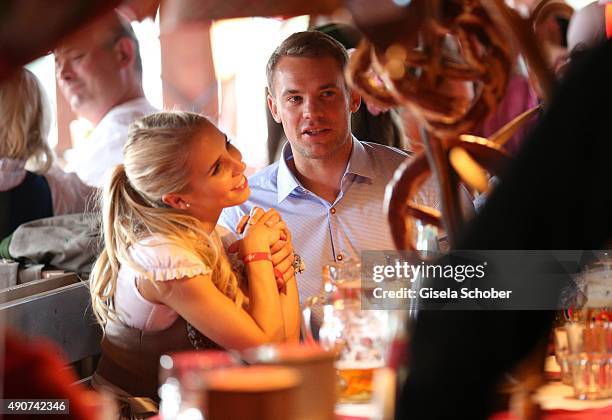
{"x":298,"y":264}
{"x":257,"y":256}
{"x":264,"y":256}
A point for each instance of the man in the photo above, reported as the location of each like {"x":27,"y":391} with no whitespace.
{"x":369,"y":123}
{"x":99,"y":72}
{"x":328,"y":186}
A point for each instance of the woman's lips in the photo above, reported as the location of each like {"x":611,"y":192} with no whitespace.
{"x":242,"y":185}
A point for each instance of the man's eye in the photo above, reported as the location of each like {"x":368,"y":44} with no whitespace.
{"x":216,"y":168}
{"x":293,"y":98}
{"x":328,"y":93}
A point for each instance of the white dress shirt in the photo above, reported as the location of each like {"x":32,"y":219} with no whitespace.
{"x":322,"y":231}
{"x":96,"y":155}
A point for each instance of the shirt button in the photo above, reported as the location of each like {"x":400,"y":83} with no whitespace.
{"x":332,"y":210}
{"x":339,"y":257}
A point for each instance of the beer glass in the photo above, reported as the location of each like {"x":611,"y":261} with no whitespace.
{"x":181,"y":376}
{"x":317,"y":393}
{"x":589,"y":336}
{"x":252,"y":393}
{"x":359,"y":337}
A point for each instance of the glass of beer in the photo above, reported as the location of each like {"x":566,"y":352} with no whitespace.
{"x":359,"y":337}
{"x":182,"y":379}
{"x":362,"y":347}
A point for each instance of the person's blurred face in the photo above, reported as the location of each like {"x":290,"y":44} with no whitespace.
{"x":88,"y":73}
{"x":312,"y":101}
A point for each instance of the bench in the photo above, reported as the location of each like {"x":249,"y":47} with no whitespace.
{"x":59,"y":310}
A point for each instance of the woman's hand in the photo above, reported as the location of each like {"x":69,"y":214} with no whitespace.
{"x":270,"y":218}
{"x":259,"y":238}
{"x":281,"y":250}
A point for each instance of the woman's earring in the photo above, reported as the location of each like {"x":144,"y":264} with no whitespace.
{"x":187,"y":205}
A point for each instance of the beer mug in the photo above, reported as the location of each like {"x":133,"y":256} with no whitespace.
{"x":359,"y":337}
{"x":252,"y":393}
{"x":317,"y":393}
{"x":182,"y":379}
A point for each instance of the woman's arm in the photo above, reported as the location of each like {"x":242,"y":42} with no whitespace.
{"x":282,"y":259}
{"x":264,"y":302}
{"x":290,"y":307}
{"x":200,"y":303}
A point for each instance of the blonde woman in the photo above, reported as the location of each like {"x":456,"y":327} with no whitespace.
{"x":163,"y":281}
{"x":30,"y":186}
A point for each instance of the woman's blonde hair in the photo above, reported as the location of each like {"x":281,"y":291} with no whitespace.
{"x":156,"y":162}
{"x":25,"y":119}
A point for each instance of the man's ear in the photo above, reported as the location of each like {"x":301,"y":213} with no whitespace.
{"x":125,"y":50}
{"x":355,"y":99}
{"x":273,"y":108}
{"x":176,"y":201}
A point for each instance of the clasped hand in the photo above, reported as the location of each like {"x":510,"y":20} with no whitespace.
{"x":270,"y":225}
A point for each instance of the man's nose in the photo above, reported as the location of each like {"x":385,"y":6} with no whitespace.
{"x":312,"y":108}
{"x":64,"y":71}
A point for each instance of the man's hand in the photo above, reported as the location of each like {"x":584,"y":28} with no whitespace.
{"x":282,"y":260}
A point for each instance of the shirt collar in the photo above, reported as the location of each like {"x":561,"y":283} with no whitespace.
{"x":140,"y":106}
{"x":286,"y":182}
{"x":136,"y":103}
{"x":359,"y":164}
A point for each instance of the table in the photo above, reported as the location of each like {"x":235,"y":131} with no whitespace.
{"x":555,"y":398}
{"x":558,"y":403}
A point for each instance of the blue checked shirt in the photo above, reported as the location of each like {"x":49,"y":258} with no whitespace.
{"x":324,"y":232}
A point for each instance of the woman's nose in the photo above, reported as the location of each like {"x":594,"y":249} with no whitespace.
{"x":239,"y":166}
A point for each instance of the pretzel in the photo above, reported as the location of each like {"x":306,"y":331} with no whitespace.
{"x":449,"y":42}
{"x":522,"y":32}
{"x":400,"y":207}
{"x":415,"y":75}
{"x":363,"y":80}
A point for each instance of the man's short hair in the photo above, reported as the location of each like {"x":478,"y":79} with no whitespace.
{"x":121,"y":28}
{"x":307,"y":44}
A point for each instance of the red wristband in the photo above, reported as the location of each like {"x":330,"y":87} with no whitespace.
{"x":257,"y":256}
{"x":265,"y":256}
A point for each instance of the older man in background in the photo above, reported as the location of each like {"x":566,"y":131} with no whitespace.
{"x":99,"y":72}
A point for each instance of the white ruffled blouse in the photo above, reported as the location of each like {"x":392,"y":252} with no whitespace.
{"x":163,"y":260}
